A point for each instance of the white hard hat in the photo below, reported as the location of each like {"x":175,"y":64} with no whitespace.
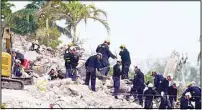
{"x":193,"y":82}
{"x":188,"y":94}
{"x":18,"y":61}
{"x":150,"y":85}
{"x":99,"y":54}
{"x":169,"y":75}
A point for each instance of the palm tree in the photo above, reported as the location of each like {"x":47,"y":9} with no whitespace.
{"x":76,"y":12}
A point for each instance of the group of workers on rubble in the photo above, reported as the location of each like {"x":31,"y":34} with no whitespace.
{"x":162,"y":88}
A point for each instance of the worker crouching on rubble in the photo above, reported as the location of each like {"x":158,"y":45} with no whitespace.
{"x":195,"y":92}
{"x":92,"y":63}
{"x":52,"y":74}
{"x":185,"y":102}
{"x":149,"y":94}
{"x":116,"y":77}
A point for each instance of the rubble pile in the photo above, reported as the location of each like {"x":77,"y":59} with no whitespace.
{"x":47,"y":58}
{"x":62,"y":93}
{"x":67,"y":94}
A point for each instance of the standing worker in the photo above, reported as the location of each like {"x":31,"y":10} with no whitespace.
{"x":165,"y":103}
{"x":116,"y":77}
{"x":125,"y":57}
{"x":158,"y":78}
{"x":92,"y":63}
{"x":172,"y":92}
{"x":74,"y":63}
{"x":106,"y":54}
{"x":149,"y":96}
{"x":138,"y":84}
{"x":8,"y":39}
{"x":67,"y":58}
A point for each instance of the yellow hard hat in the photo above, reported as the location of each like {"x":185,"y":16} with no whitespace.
{"x":70,"y":44}
{"x":107,"y":41}
{"x":122,"y":45}
{"x":189,"y":84}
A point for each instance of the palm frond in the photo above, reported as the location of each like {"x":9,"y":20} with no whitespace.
{"x":104,"y":22}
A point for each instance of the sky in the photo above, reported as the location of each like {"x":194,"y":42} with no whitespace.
{"x":148,"y":29}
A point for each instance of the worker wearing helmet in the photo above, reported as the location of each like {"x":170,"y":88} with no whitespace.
{"x":172,"y":92}
{"x":116,"y":77}
{"x":92,"y":63}
{"x":68,"y":47}
{"x":185,"y":101}
{"x":106,"y":54}
{"x":149,"y":94}
{"x":17,"y":68}
{"x":125,"y":57}
{"x":195,"y":92}
{"x":165,"y":103}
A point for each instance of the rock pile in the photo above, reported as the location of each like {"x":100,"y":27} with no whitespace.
{"x":67,"y":94}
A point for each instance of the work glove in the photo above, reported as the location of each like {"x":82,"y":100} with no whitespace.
{"x":162,"y":93}
{"x":145,"y":89}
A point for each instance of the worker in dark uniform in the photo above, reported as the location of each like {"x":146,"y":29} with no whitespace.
{"x":195,"y":92}
{"x":172,"y":92}
{"x":138,"y":84}
{"x":157,"y":81}
{"x":67,"y":58}
{"x":116,"y":78}
{"x":18,"y":55}
{"x":165,"y":103}
{"x":149,"y":94}
{"x":185,"y":101}
{"x":125,"y":57}
{"x":52,"y":74}
{"x":106,"y":54}
{"x":92,"y":63}
{"x":74,"y":63}
{"x":68,"y":47}
{"x":17,"y":68}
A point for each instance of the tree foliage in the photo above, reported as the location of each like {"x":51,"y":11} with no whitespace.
{"x":6,"y":8}
{"x":75,"y":12}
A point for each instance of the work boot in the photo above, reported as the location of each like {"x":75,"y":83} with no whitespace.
{"x":115,"y":97}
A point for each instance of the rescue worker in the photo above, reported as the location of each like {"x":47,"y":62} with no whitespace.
{"x":106,"y":54}
{"x":92,"y":63}
{"x":74,"y":63}
{"x":185,"y":101}
{"x":52,"y":74}
{"x":7,"y":37}
{"x":17,"y":68}
{"x":69,"y":46}
{"x":138,"y":84}
{"x":125,"y":57}
{"x":157,"y":81}
{"x":18,"y":55}
{"x":195,"y":92}
{"x":165,"y":103}
{"x":116,"y":78}
{"x":149,"y":94}
{"x":172,"y":92}
{"x":35,"y":46}
{"x":67,"y":58}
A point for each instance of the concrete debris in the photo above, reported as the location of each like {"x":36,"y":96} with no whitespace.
{"x":62,"y":93}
